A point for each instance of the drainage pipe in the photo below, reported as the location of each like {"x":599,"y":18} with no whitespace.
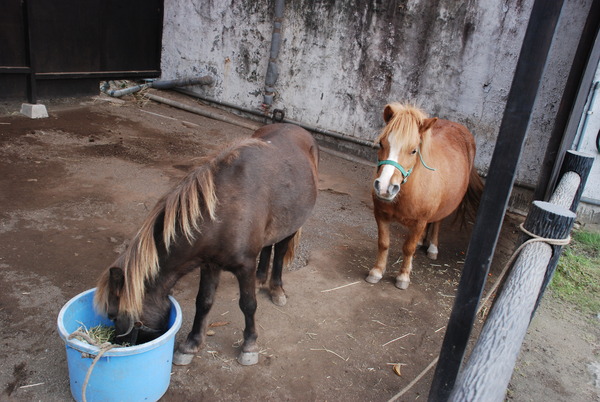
{"x":591,"y":201}
{"x":308,"y":127}
{"x":221,"y":103}
{"x":199,"y":111}
{"x":581,"y":132}
{"x":333,"y":134}
{"x":273,"y":68}
{"x":117,"y":93}
{"x":183,"y":82}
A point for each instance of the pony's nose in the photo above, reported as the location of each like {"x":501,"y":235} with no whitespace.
{"x":389,"y":192}
{"x":394,"y":189}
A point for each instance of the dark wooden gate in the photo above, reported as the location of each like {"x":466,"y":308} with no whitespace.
{"x":65,"y":48}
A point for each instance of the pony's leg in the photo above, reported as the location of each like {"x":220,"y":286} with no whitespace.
{"x":263,"y":265}
{"x":246,"y":280}
{"x":383,"y":247}
{"x":408,"y":250}
{"x":433,"y":236}
{"x":209,"y":281}
{"x":276,"y":284}
{"x":425,"y":236}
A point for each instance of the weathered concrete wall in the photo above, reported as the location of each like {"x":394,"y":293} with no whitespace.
{"x":341,"y":61}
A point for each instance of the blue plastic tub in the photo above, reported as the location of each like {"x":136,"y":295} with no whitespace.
{"x":135,"y":373}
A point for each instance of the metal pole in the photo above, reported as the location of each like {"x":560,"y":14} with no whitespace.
{"x":272,"y":68}
{"x":523,"y":92}
{"x":29,"y":55}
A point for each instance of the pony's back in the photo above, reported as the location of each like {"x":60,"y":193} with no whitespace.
{"x":269,"y":190}
{"x":252,"y":193}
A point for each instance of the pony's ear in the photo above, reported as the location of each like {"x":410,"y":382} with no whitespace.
{"x":427,"y":124}
{"x":116,"y":280}
{"x":388,"y":112}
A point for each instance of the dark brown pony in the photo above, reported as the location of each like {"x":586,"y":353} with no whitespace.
{"x":251,"y":197}
{"x":425,"y":173}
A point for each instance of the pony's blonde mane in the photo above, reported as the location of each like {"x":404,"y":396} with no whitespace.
{"x":405,"y":119}
{"x":183,"y":210}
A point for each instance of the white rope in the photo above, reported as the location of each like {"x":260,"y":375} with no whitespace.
{"x":105,"y":347}
{"x":534,"y":239}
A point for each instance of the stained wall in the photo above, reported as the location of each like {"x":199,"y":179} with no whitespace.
{"x":340,"y":62}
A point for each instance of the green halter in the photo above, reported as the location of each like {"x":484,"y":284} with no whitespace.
{"x":404,"y":172}
{"x":398,"y":166}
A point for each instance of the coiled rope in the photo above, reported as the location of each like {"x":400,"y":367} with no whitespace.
{"x":104,"y":347}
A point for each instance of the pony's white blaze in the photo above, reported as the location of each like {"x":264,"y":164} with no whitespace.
{"x":387,"y":172}
{"x":385,"y":178}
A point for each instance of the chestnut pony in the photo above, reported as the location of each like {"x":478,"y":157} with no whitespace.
{"x":425,"y":172}
{"x":247,"y":199}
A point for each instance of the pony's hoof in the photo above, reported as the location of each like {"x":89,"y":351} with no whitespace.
{"x":279,"y":300}
{"x":182,"y":359}
{"x":432,"y":252}
{"x":259,"y":284}
{"x":248,"y":358}
{"x":432,"y":256}
{"x":373,"y":278}
{"x":402,"y":284}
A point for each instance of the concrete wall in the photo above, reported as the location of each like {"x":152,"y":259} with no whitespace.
{"x":341,"y":61}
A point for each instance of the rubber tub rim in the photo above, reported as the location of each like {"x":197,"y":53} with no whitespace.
{"x":85,"y":347}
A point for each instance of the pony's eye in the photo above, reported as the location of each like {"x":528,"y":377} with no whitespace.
{"x":414,"y":151}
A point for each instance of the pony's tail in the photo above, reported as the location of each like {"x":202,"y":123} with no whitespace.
{"x":292,"y":246}
{"x":467,"y":210}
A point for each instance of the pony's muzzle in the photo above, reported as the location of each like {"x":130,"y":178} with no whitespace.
{"x":385,"y":192}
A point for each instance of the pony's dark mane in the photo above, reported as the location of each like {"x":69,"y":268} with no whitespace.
{"x":182,"y":210}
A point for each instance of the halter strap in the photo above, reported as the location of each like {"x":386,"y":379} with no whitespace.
{"x":135,"y":328}
{"x":404,"y":172}
{"x":398,"y":166}
{"x":423,"y":162}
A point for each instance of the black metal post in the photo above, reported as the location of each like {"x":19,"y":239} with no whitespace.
{"x":523,"y":92}
{"x":31,"y":80}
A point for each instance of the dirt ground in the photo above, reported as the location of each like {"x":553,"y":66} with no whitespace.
{"x":75,"y":187}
